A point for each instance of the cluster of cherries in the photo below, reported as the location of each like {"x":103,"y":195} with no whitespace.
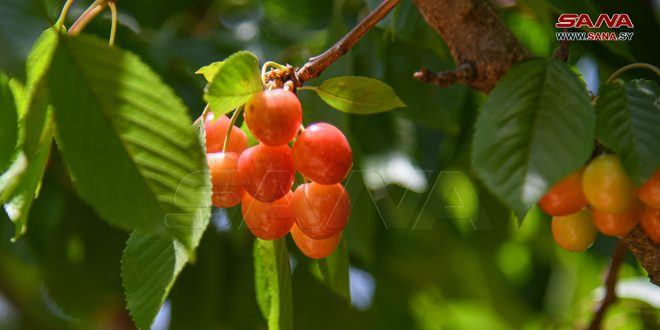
{"x":260,"y":178}
{"x":601,"y":197}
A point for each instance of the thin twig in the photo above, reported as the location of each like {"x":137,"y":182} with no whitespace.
{"x":317,"y":64}
{"x":633,"y":66}
{"x":463,"y":74}
{"x":610,"y":285}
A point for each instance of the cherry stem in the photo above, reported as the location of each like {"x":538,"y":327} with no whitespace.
{"x":92,"y":11}
{"x":113,"y":28}
{"x":65,"y":10}
{"x":318,"y":64}
{"x":610,"y":285}
{"x":633,"y":66}
{"x":202,"y":116}
{"x":234,"y":117}
{"x":270,"y":64}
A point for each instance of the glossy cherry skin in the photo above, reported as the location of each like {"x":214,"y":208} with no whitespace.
{"x":651,"y":223}
{"x":314,"y":248}
{"x":227,"y":182}
{"x":268,"y":220}
{"x":574,"y":232}
{"x":649,"y":192}
{"x":565,"y":197}
{"x":617,"y":224}
{"x":321,"y":211}
{"x":274,"y":116}
{"x":607,"y":186}
{"x":216,"y":131}
{"x":322,"y":154}
{"x":270,"y":171}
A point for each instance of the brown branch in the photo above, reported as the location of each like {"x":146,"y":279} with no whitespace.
{"x":315,"y":66}
{"x":561,"y":53}
{"x":610,"y":285}
{"x":476,"y":36}
{"x":462,"y":74}
{"x":646,"y":251}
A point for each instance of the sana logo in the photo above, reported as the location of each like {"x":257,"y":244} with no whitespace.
{"x":614,"y":21}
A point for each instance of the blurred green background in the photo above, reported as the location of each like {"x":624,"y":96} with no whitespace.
{"x":429,"y":247}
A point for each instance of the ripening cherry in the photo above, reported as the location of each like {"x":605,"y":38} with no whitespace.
{"x":268,"y":220}
{"x":565,"y":197}
{"x":314,"y":248}
{"x":574,"y":232}
{"x":322,"y":154}
{"x":617,"y":224}
{"x":274,"y":116}
{"x":651,"y":223}
{"x":649,"y":192}
{"x":227,"y":182}
{"x":216,"y":131}
{"x":607,"y":186}
{"x":269,"y":170}
{"x":321,"y":210}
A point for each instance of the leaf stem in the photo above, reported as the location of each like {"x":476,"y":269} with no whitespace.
{"x":610,"y":285}
{"x":65,"y":10}
{"x":203,"y":115}
{"x":92,"y":11}
{"x":113,"y":28}
{"x":234,"y":117}
{"x":308,"y":88}
{"x":633,"y":66}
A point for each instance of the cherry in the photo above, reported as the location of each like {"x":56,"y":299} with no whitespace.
{"x":322,"y":154}
{"x":617,"y":224}
{"x":574,"y":232}
{"x":314,"y":248}
{"x":227,"y":182}
{"x":649,"y":192}
{"x":268,"y":220}
{"x":216,"y":131}
{"x":607,"y":186}
{"x":565,"y":197}
{"x":270,"y":171}
{"x":651,"y":223}
{"x":274,"y":116}
{"x":321,"y":210}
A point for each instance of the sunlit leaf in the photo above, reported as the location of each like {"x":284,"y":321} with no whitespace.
{"x":236,"y":79}
{"x":359,"y":95}
{"x":536,"y":127}
{"x":273,"y":283}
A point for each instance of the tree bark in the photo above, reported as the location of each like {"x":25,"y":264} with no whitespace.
{"x":484,"y":49}
{"x":481,"y":44}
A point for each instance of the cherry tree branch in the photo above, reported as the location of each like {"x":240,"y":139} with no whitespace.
{"x":646,"y":252}
{"x":316,"y":65}
{"x":481,"y":44}
{"x":610,"y":285}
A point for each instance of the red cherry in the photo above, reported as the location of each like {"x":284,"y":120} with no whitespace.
{"x":651,"y":223}
{"x":649,"y":192}
{"x":314,"y":248}
{"x":216,"y":131}
{"x":565,"y":197}
{"x":270,"y":171}
{"x":227,"y":182}
{"x":274,"y":116}
{"x":321,"y":210}
{"x":322,"y":154}
{"x":268,"y":220}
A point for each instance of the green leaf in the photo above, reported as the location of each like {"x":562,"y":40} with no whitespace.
{"x":128,"y":141}
{"x":210,"y":70}
{"x":149,"y":268}
{"x":629,"y":123}
{"x":273,"y":283}
{"x":236,"y":79}
{"x":8,"y":123}
{"x":536,"y":127}
{"x":334,"y":270}
{"x":359,"y":95}
{"x":21,"y":184}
